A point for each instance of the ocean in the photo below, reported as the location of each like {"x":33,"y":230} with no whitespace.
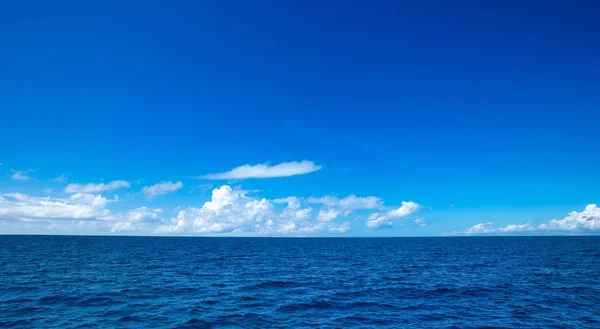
{"x":159,"y":282}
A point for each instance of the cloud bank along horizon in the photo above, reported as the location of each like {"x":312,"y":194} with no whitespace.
{"x":81,"y":208}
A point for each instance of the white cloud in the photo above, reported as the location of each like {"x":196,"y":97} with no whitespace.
{"x":341,"y":228}
{"x":144,"y":213}
{"x":227,"y":211}
{"x":292,"y":201}
{"x":588,"y":219}
{"x":233,"y":211}
{"x":349,"y":203}
{"x":93,"y":188}
{"x":517,"y":228}
{"x":481,"y":228}
{"x":302,"y":213}
{"x":285,"y":169}
{"x":121,"y":226}
{"x":78,"y":206}
{"x":421,"y":222}
{"x":161,"y":188}
{"x":91,"y":199}
{"x":327,"y":215}
{"x":344,"y":206}
{"x":407,"y":208}
{"x":376,"y":220}
{"x":22,"y":175}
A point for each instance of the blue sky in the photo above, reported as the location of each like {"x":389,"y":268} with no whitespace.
{"x":470,"y":114}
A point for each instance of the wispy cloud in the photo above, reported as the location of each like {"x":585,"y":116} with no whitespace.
{"x":22,"y":175}
{"x":92,"y":188}
{"x":161,"y":188}
{"x":61,"y":179}
{"x":284,"y":169}
{"x":421,"y":221}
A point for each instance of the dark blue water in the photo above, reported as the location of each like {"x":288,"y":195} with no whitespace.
{"x":131,"y":282}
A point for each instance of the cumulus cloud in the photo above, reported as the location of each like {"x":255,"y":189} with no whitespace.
{"x":292,"y":201}
{"x":94,"y":188}
{"x":21,"y":175}
{"x":421,"y":221}
{"x":588,"y":219}
{"x":144,"y":213}
{"x":121,"y":226}
{"x":227,"y":211}
{"x":377,"y":220}
{"x":161,"y":188}
{"x":77,"y":206}
{"x":327,"y":215}
{"x":232,"y":211}
{"x":407,"y":208}
{"x":481,"y":228}
{"x":517,"y":228}
{"x":341,"y":228}
{"x":284,"y":169}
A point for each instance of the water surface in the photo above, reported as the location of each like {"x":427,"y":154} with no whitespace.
{"x":133,"y":282}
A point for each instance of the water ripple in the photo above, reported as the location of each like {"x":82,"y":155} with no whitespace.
{"x":133,"y":282}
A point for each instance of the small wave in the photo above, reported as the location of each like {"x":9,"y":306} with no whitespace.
{"x":275,"y":284}
{"x":320,"y":304}
{"x":131,"y":318}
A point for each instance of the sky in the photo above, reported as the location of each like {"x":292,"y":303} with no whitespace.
{"x":299,"y":118}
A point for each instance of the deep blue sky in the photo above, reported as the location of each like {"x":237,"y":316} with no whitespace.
{"x":492,"y":106}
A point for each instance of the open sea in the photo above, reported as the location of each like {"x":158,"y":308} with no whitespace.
{"x":157,"y":282}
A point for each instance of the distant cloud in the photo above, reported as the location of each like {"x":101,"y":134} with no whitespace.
{"x":61,"y":179}
{"x":144,"y":213}
{"x":376,"y":220}
{"x":327,"y":215}
{"x":348,"y":204}
{"x":93,"y":188}
{"x":517,"y":228}
{"x":77,"y":206}
{"x":285,"y":169}
{"x":407,"y":208}
{"x":421,"y":221}
{"x":588,"y":219}
{"x":121,"y":227}
{"x":232,"y":211}
{"x":161,"y":188}
{"x":481,"y":228}
{"x":21,"y":175}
